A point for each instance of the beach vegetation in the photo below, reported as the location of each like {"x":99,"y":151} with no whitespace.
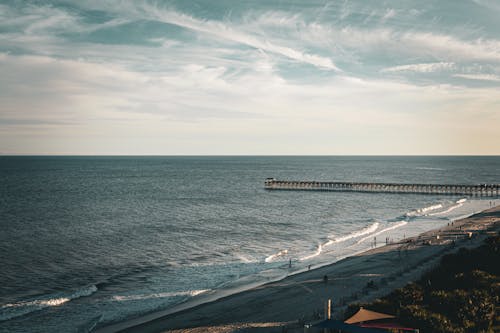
{"x":462,"y":294}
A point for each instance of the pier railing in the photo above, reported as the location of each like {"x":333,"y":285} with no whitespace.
{"x":489,"y":190}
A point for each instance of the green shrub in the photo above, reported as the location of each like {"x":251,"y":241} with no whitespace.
{"x":461,"y":295}
{"x":474,"y":309}
{"x":427,"y":321}
{"x":412,"y":293}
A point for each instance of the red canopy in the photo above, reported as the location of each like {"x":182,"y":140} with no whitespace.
{"x":387,"y":326}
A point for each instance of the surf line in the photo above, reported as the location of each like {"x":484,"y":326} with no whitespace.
{"x":392,"y":227}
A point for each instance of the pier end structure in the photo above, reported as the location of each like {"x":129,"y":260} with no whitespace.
{"x":488,"y":190}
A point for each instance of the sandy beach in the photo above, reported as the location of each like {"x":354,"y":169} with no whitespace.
{"x":300,"y":298}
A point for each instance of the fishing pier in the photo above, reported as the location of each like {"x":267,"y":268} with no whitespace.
{"x":486,"y":190}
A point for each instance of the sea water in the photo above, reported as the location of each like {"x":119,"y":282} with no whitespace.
{"x":102,"y":239}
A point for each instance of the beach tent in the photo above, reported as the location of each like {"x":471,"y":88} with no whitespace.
{"x":343,"y":327}
{"x":376,"y":320}
{"x":364,"y":315}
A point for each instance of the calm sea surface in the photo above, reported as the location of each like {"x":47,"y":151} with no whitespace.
{"x":117,"y":237}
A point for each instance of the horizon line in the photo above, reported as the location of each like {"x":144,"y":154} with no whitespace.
{"x":245,"y":155}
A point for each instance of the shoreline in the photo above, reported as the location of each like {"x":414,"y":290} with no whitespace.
{"x":300,"y":296}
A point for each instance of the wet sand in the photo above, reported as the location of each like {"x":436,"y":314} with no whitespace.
{"x":301,"y":298}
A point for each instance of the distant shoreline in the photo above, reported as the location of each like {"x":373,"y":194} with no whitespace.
{"x":301,"y":296}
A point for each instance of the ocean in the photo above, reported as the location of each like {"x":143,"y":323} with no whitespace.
{"x":86,"y":239}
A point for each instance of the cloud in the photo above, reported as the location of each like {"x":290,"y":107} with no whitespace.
{"x":38,"y":20}
{"x":259,"y":80}
{"x":448,"y":47}
{"x":390,"y":13}
{"x":290,"y":35}
{"x":416,"y":44}
{"x":52,"y":98}
{"x":482,"y":77}
{"x":421,"y":68}
{"x":344,"y":38}
{"x":226,"y":32}
{"x":489,"y":4}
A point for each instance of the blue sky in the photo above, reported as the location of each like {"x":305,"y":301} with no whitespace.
{"x":253,"y":77}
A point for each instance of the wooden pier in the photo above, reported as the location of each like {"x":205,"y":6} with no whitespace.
{"x":486,"y":190}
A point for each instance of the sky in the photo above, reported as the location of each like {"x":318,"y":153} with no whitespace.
{"x":268,"y":77}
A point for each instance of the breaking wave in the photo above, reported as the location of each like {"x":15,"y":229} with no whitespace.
{"x":245,"y":259}
{"x":189,"y":293}
{"x":356,"y":234}
{"x":9,"y":311}
{"x":423,"y":211}
{"x":429,"y":168}
{"x":352,"y":235}
{"x":459,"y":203}
{"x":276,"y":255}
{"x":392,"y":227}
{"x":319,"y":249}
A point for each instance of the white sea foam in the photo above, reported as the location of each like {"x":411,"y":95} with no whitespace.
{"x":459,"y":204}
{"x":189,"y":293}
{"x":424,"y":210}
{"x":318,"y":251}
{"x":272,"y":257}
{"x":392,"y":227}
{"x":356,"y":234}
{"x":352,"y":235}
{"x":429,"y":168}
{"x":329,"y":242}
{"x":245,"y":259}
{"x":9,"y":311}
{"x":447,"y":210}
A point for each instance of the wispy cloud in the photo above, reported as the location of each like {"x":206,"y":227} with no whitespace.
{"x":397,"y":43}
{"x":481,"y":77}
{"x":421,"y":68}
{"x":448,"y":47}
{"x":185,"y":79}
{"x":390,"y":13}
{"x":489,"y":4}
{"x":224,"y":31}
